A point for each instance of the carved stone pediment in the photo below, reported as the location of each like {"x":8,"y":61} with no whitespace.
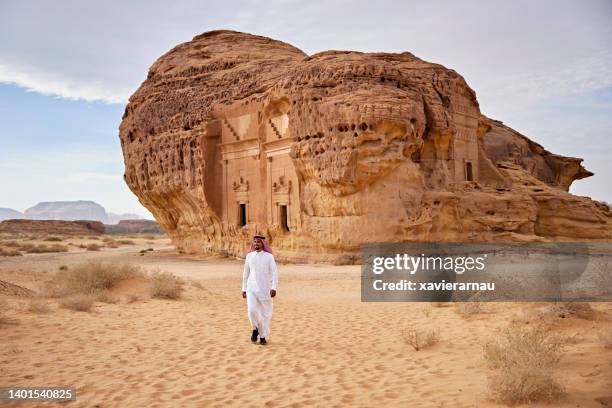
{"x":281,"y":185}
{"x":241,"y":186}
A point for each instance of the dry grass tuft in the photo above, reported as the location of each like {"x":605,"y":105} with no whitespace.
{"x":131,"y":298}
{"x":469,"y":308}
{"x":43,"y":249}
{"x":420,"y":338}
{"x":606,"y":339}
{"x":25,"y":247}
{"x":125,"y":242}
{"x":53,"y":239}
{"x":39,"y":306}
{"x":9,"y":252}
{"x":88,"y":278}
{"x":80,"y":303}
{"x":197,"y":284}
{"x":105,"y":296}
{"x":523,"y":362}
{"x":93,"y":247}
{"x":166,"y":285}
{"x":63,"y":267}
{"x":10,"y":244}
{"x":563,"y":310}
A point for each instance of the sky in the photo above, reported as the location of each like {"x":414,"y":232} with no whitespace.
{"x":67,"y":69}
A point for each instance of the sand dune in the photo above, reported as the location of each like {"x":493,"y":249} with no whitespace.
{"x":326,"y":347}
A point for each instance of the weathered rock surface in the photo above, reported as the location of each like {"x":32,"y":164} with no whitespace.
{"x":233,"y":133}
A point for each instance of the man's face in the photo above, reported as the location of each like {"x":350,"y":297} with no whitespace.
{"x":257,"y":244}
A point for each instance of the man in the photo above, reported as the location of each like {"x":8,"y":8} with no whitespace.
{"x":259,"y":281}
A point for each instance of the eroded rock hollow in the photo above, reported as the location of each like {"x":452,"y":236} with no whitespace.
{"x":232,"y":134}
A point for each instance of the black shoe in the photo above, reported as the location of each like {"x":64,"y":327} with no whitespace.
{"x":263,"y":341}
{"x":254,"y":336}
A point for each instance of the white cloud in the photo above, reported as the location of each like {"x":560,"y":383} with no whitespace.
{"x":90,"y":51}
{"x":54,"y":83}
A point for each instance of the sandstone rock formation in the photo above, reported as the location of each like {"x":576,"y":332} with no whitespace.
{"x":232,"y":134}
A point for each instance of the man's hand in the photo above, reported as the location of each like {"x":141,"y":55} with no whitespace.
{"x":244,"y":295}
{"x":272,"y":292}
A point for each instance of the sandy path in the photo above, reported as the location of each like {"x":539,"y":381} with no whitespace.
{"x":326,"y":347}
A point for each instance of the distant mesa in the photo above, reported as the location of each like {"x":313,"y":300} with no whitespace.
{"x":135,"y":227}
{"x":10,"y":214}
{"x":233,"y":133}
{"x":67,"y":211}
{"x":114,"y":219}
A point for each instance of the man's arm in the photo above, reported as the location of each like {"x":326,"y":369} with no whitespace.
{"x":274,"y":275}
{"x":245,"y":275}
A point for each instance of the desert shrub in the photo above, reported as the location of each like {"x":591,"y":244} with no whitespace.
{"x":53,"y":239}
{"x":131,"y":298}
{"x":419,"y":339}
{"x":523,"y":362}
{"x":469,"y":308}
{"x":43,"y":249}
{"x":562,"y":310}
{"x":125,"y":242}
{"x":606,"y":339}
{"x":38,"y":306}
{"x":90,"y":277}
{"x":580,"y":310}
{"x":25,"y":247}
{"x":81,"y":302}
{"x":9,"y":252}
{"x":197,"y":284}
{"x":166,"y":285}
{"x":110,"y":243}
{"x":426,"y":310}
{"x":105,"y":296}
{"x":63,"y":267}
{"x":11,"y":244}
{"x":93,"y":247}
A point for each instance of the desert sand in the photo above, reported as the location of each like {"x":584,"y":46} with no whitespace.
{"x":326,"y":347}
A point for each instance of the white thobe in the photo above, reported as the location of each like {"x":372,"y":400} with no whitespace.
{"x":258,"y":278}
